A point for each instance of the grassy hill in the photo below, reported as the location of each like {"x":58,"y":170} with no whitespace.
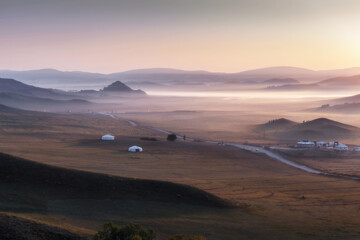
{"x":78,"y":184}
{"x":276,"y":124}
{"x":317,"y":129}
{"x":15,"y":228}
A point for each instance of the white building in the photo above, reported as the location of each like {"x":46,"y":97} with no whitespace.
{"x":135,"y":149}
{"x":305,"y":144}
{"x":322,"y":144}
{"x":108,"y":137}
{"x":341,"y":147}
{"x":356,"y":149}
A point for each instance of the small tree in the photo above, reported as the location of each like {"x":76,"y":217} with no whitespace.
{"x":130,"y":231}
{"x":171,"y":137}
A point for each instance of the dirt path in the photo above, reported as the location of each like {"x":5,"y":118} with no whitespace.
{"x":275,"y":156}
{"x":254,"y":149}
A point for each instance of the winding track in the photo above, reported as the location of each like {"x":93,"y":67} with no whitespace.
{"x":255,"y":149}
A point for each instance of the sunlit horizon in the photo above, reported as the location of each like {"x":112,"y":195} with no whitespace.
{"x":217,"y":36}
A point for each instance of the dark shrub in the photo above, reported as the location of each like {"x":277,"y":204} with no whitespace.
{"x":171,"y":137}
{"x":130,"y":231}
{"x":183,"y":237}
{"x":148,"y":139}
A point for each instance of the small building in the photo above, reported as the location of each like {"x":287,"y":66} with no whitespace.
{"x":341,"y":147}
{"x":108,"y":137}
{"x":321,"y":144}
{"x":305,"y":144}
{"x":356,"y":149}
{"x":135,"y":149}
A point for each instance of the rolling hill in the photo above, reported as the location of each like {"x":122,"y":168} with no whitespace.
{"x":19,"y":95}
{"x":13,"y":86}
{"x":345,"y":108}
{"x":338,"y":83}
{"x":317,"y":129}
{"x":281,"y":81}
{"x":78,"y":184}
{"x":38,"y":104}
{"x":346,"y":105}
{"x":276,"y":124}
{"x":119,"y":87}
{"x":351,"y":99}
{"x":16,"y":228}
{"x":341,"y":82}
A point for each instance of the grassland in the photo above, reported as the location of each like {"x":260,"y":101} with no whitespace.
{"x":275,"y":201}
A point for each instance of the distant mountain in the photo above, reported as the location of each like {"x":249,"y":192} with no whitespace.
{"x":278,"y":72}
{"x":338,"y":83}
{"x":351,"y":99}
{"x":346,"y":108}
{"x":38,"y":104}
{"x":293,"y":87}
{"x":281,"y":81}
{"x":19,"y":95}
{"x":160,"y":71}
{"x":51,"y":75}
{"x":317,"y":129}
{"x":341,"y":81}
{"x":14,"y":86}
{"x":342,"y":72}
{"x":170,"y":78}
{"x":120,"y":87}
{"x":345,"y":105}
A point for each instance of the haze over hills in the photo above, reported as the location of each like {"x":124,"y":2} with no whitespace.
{"x":345,"y":108}
{"x":281,"y":81}
{"x":19,"y":95}
{"x":39,"y":104}
{"x":317,"y":129}
{"x":165,"y":77}
{"x":338,"y":83}
{"x":346,"y":105}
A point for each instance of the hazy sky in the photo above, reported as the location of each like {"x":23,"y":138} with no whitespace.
{"x":215,"y":35}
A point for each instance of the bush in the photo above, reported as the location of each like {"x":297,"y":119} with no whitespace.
{"x":183,"y":237}
{"x":130,"y":231}
{"x":171,"y":137}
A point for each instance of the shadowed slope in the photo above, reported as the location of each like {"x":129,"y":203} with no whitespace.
{"x":15,"y":228}
{"x":79,"y":184}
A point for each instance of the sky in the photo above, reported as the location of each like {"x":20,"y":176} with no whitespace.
{"x":215,"y":35}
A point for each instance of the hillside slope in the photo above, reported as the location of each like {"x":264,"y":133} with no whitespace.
{"x":65,"y":183}
{"x":15,"y":228}
{"x":317,"y":129}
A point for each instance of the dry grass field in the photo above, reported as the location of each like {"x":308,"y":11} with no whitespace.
{"x":347,"y":163}
{"x":275,"y":201}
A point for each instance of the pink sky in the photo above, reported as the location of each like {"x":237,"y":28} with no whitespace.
{"x":225,"y":36}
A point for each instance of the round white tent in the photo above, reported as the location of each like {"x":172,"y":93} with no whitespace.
{"x":108,"y":137}
{"x":135,"y":149}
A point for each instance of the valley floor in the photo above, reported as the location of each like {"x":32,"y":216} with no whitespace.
{"x":276,"y":201}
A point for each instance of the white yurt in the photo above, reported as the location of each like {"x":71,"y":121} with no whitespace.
{"x":135,"y":149}
{"x":108,"y":137}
